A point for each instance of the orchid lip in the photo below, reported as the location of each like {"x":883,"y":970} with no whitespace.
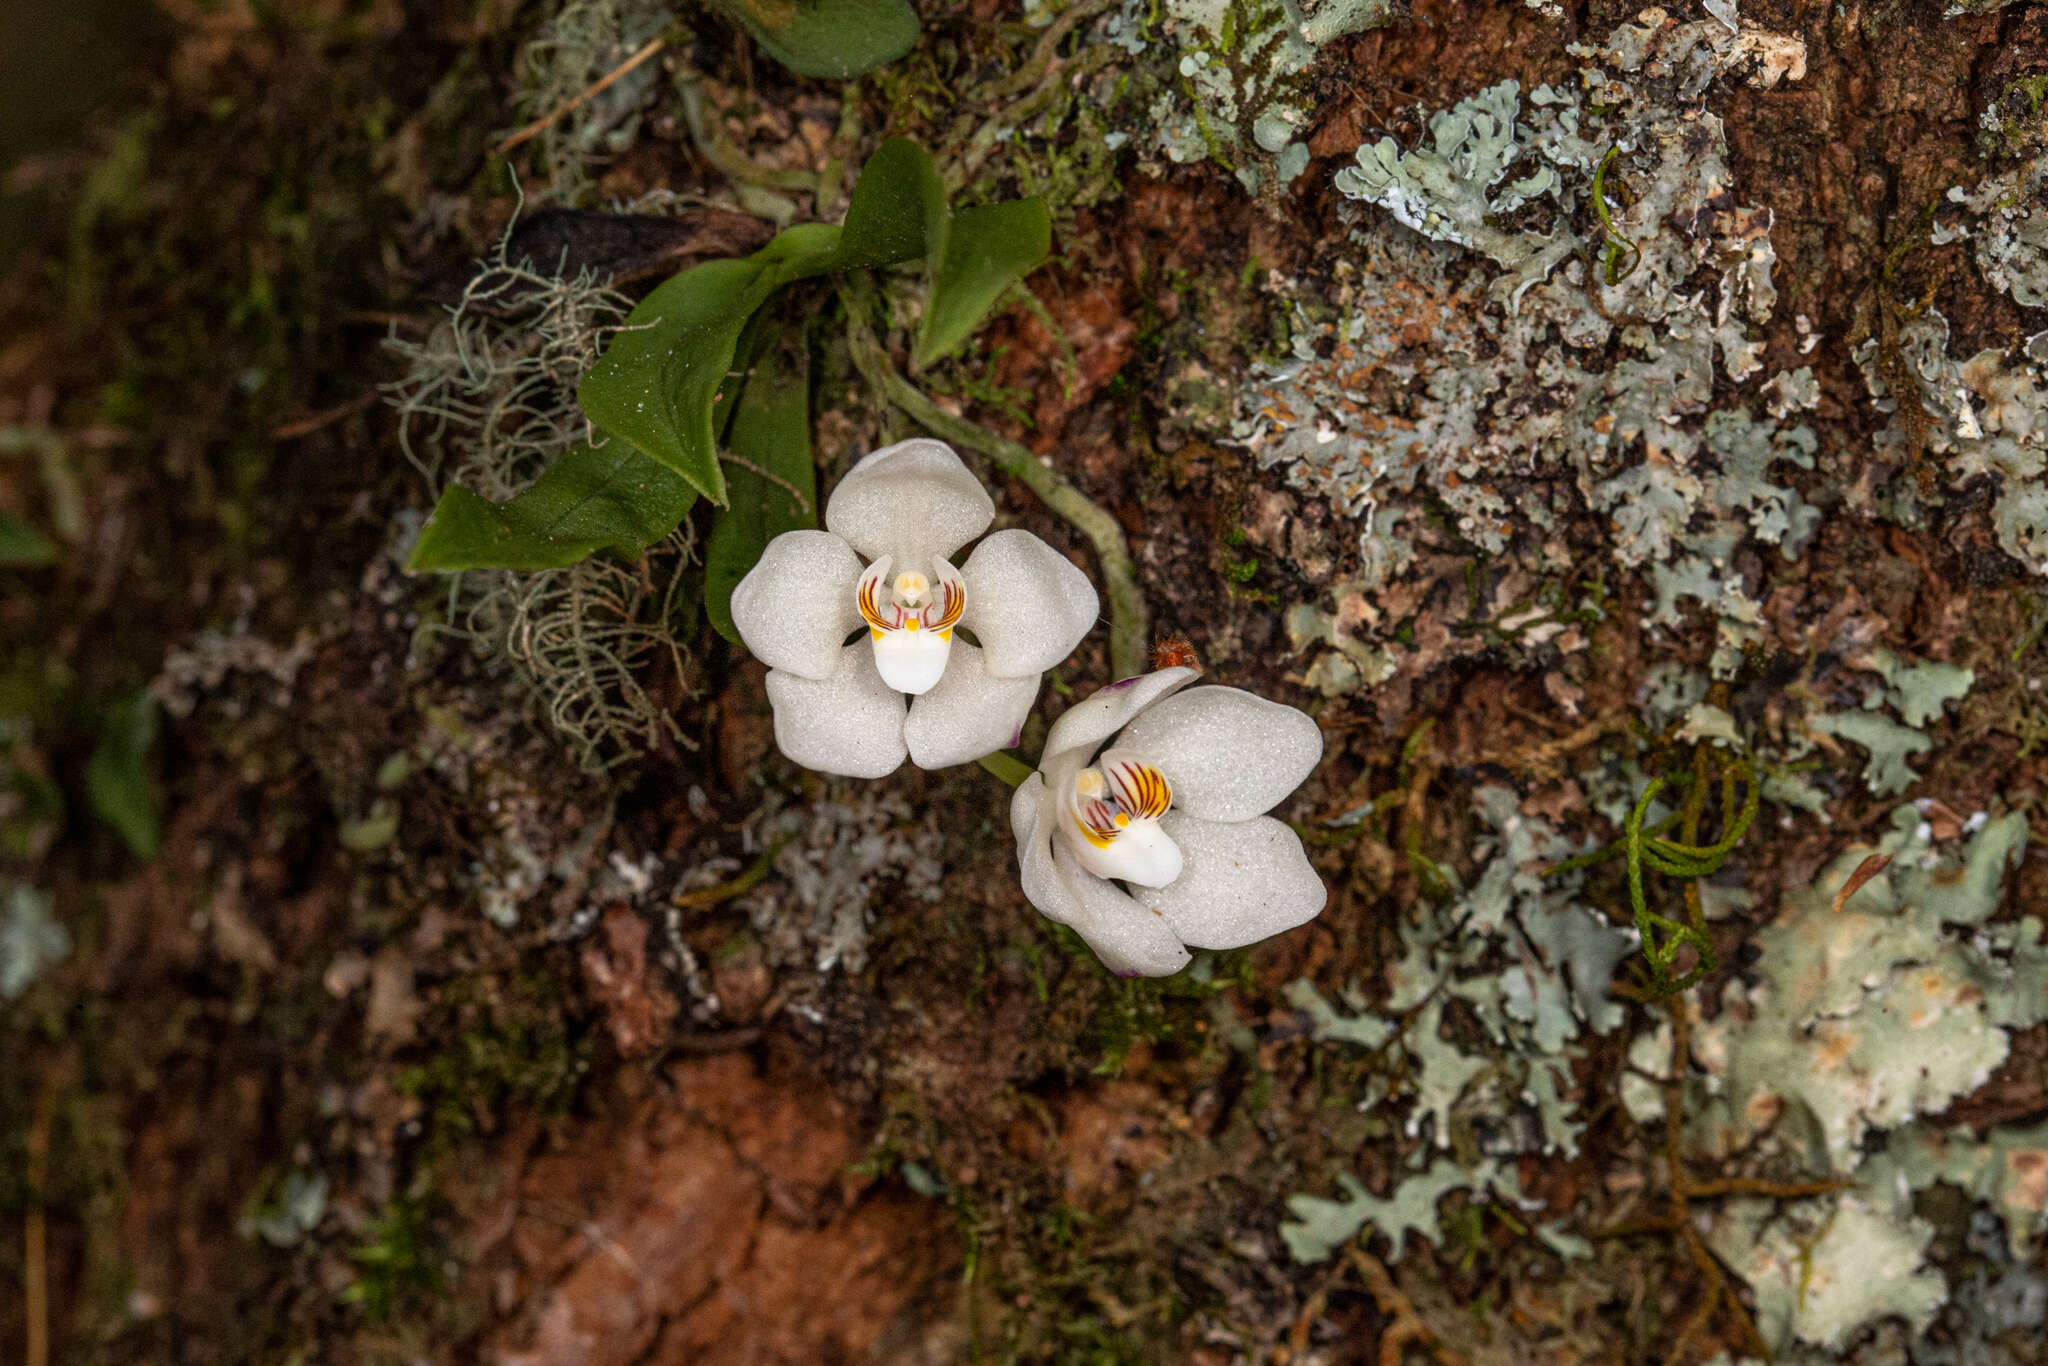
{"x":910,"y":621}
{"x":1112,"y":826}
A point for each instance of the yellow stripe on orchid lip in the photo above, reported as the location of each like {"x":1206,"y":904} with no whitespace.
{"x":1137,"y":786}
{"x":1115,"y":806}
{"x":951,"y":600}
{"x":1098,"y":825}
{"x":868,"y":597}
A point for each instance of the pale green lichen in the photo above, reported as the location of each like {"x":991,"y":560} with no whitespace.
{"x":1918,"y":693}
{"x":1319,"y":1227}
{"x":1984,"y":416}
{"x":1237,"y":89}
{"x":1820,"y":1271}
{"x":2010,"y":231}
{"x":1451,"y":190}
{"x":1863,"y":1022}
{"x":1334,"y":1026}
{"x":1569,"y":372}
{"x":1870,"y":1015}
{"x":31,"y":940}
{"x":1888,"y":743}
{"x":1532,"y":967}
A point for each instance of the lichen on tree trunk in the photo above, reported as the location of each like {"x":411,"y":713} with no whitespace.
{"x":1554,"y":398}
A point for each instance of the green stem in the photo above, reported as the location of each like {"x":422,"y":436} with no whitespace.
{"x":709,"y":139}
{"x":1008,"y":767}
{"x":1129,"y":622}
{"x":848,"y":135}
{"x":1616,"y":243}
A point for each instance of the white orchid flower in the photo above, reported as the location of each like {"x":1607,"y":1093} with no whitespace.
{"x":1173,"y":810}
{"x":838,"y":701}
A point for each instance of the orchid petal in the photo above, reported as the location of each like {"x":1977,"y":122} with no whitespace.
{"x":1027,"y":604}
{"x":795,"y":607}
{"x":913,"y":500}
{"x":1032,"y":812}
{"x":968,"y":713}
{"x":1241,"y":881}
{"x":1085,"y":725}
{"x":1130,"y":939}
{"x":850,"y":723}
{"x":1229,"y":755}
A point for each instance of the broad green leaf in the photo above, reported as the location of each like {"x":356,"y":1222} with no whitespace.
{"x":658,"y":385}
{"x":655,"y":385}
{"x":771,"y":431}
{"x":897,"y":211}
{"x":21,"y":547}
{"x":985,"y":251}
{"x":835,"y":38}
{"x":608,"y":497}
{"x":117,"y":777}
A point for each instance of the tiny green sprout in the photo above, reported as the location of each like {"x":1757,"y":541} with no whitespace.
{"x":1664,"y":938}
{"x":1611,"y":269}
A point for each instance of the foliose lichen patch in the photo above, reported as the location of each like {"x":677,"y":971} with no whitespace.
{"x":1866,"y":1021}
{"x":1234,"y":85}
{"x":1502,"y":360}
{"x":1498,"y":989}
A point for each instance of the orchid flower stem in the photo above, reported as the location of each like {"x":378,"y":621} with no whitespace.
{"x":1129,"y":622}
{"x":1008,"y":767}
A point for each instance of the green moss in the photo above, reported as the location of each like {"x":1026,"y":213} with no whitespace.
{"x":399,"y":1260}
{"x":517,"y":1050}
{"x":1161,"y":1011}
{"x":1068,"y":1299}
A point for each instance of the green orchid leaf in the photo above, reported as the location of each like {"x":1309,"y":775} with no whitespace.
{"x":772,"y":481}
{"x":655,"y":386}
{"x":660,"y":384}
{"x":608,"y":497}
{"x":22,"y":547}
{"x":984,"y":251}
{"x":117,"y":777}
{"x":897,"y":211}
{"x":839,"y":39}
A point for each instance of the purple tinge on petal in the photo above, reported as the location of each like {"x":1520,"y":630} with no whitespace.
{"x":1123,"y":683}
{"x":1128,"y":975}
{"x":1016,"y":738}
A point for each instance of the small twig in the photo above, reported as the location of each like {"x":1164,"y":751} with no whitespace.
{"x":589,"y":92}
{"x":326,"y":417}
{"x":796,"y":494}
{"x":1407,"y":1325}
{"x":756,"y":872}
{"x":1754,"y":1185}
{"x":1129,"y":621}
{"x":1719,"y":1288}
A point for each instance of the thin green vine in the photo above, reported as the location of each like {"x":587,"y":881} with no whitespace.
{"x":1616,"y":243}
{"x":1664,"y":938}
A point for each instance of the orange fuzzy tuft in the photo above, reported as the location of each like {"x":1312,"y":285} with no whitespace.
{"x":1174,"y":652}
